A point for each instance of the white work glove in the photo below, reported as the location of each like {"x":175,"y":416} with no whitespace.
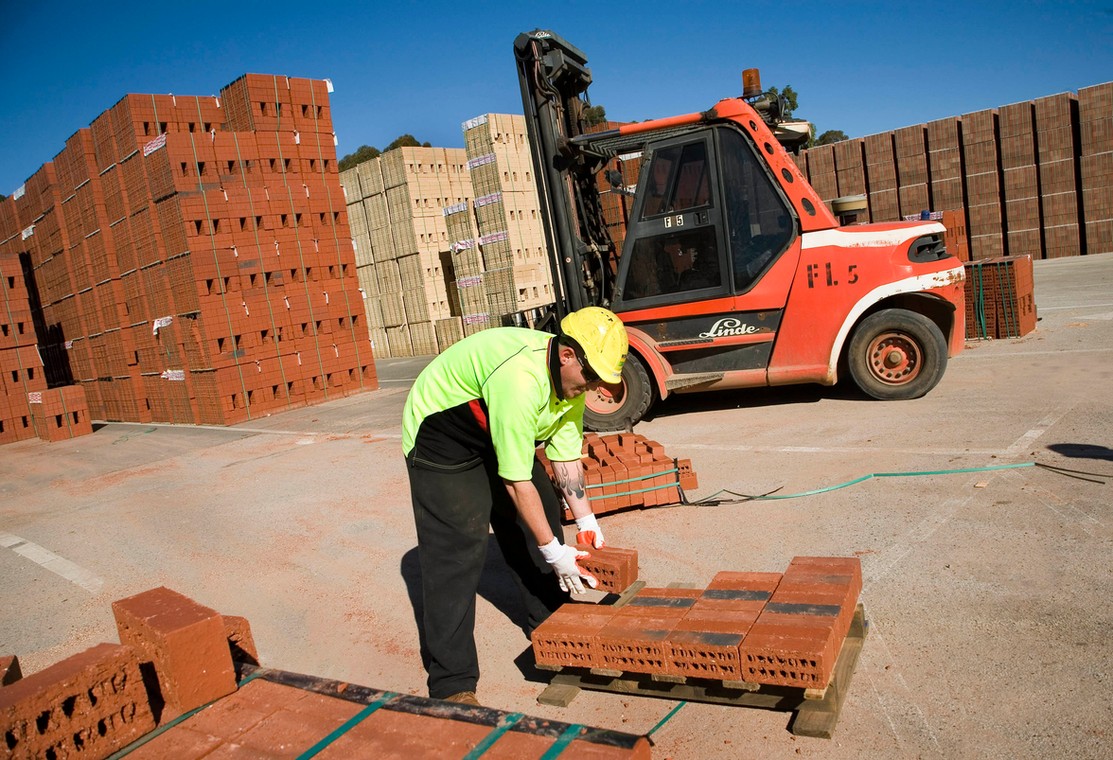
{"x":589,"y":531}
{"x":563,"y":560}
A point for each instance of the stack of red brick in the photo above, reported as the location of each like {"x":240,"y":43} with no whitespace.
{"x":174,"y":671}
{"x":624,"y":470}
{"x":190,"y":257}
{"x":1013,"y":172}
{"x":764,"y":628}
{"x":1000,"y":298}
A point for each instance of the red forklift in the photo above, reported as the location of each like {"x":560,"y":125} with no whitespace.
{"x":732,"y":273}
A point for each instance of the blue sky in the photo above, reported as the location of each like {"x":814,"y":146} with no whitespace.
{"x":424,"y":67}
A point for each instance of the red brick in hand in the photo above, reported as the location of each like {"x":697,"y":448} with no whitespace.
{"x":615,"y":568}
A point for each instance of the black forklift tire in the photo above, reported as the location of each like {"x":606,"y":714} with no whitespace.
{"x":897,"y":354}
{"x":605,"y":412}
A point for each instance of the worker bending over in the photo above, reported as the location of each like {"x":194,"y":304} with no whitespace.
{"x":470,"y":429}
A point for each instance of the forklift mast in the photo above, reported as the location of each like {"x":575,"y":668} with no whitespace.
{"x":554,"y":78}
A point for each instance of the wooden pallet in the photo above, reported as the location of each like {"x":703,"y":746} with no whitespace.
{"x":815,"y":711}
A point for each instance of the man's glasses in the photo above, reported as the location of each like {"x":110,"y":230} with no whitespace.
{"x":589,"y":374}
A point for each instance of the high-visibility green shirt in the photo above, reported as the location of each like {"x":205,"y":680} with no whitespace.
{"x":492,"y":392}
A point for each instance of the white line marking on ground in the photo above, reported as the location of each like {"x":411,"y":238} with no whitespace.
{"x":52,"y":562}
{"x":834,"y":449}
{"x":1075,"y":307}
{"x":1026,"y":440}
{"x":966,"y":355}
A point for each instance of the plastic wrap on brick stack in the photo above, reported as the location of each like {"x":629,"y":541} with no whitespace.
{"x":763,"y":628}
{"x":912,"y":170}
{"x":945,"y":165}
{"x":60,"y":413}
{"x":395,"y":203}
{"x":850,"y":167}
{"x":193,"y":262}
{"x":1020,"y":179}
{"x":1000,"y":298}
{"x":1057,"y":151}
{"x":1095,"y":117}
{"x":822,"y":173}
{"x":625,"y":470}
{"x":510,"y":239}
{"x":881,"y":177}
{"x":983,"y":184}
{"x":21,"y":369}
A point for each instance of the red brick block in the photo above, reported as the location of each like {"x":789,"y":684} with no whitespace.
{"x":569,"y":636}
{"x":615,"y":568}
{"x":240,"y":641}
{"x":789,"y":656}
{"x":705,"y":644}
{"x":186,"y":642}
{"x":636,"y":643}
{"x":10,"y":671}
{"x":88,"y":705}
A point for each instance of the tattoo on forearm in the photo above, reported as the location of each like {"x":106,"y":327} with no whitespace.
{"x":570,"y":480}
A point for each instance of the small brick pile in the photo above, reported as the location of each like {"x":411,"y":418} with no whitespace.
{"x":174,"y":672}
{"x":624,"y":471}
{"x":174,"y":656}
{"x":765,"y":628}
{"x":1000,"y":298}
{"x":60,"y":413}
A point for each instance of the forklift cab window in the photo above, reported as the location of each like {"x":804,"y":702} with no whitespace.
{"x":676,"y":250}
{"x":759,"y":224}
{"x":678,"y":180}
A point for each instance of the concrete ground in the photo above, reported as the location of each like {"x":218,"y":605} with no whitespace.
{"x":987,"y":591}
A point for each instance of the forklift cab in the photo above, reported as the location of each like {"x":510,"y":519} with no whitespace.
{"x":708,"y":221}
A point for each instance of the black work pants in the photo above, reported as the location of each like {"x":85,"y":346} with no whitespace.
{"x":452,"y":511}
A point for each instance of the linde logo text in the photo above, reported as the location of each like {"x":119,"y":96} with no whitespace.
{"x":727,"y":327}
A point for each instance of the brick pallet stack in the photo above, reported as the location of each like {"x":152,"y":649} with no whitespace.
{"x":881,"y":177}
{"x":760,"y":628}
{"x":1056,"y":153}
{"x":850,"y":167}
{"x":945,"y":165}
{"x":195,"y":259}
{"x":1000,"y":297}
{"x":396,"y":202}
{"x":1020,"y":179}
{"x":1095,"y":116}
{"x":822,"y":173}
{"x":624,"y":471}
{"x":21,"y":370}
{"x":980,"y":160}
{"x":516,"y":273}
{"x":912,"y":172}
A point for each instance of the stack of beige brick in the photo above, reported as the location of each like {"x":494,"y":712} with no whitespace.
{"x":508,"y":220}
{"x":394,"y":203}
{"x":448,"y":241}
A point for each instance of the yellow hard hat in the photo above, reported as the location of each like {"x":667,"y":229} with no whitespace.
{"x":602,"y":336}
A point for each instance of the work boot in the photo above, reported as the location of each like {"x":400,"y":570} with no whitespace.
{"x":463,"y":698}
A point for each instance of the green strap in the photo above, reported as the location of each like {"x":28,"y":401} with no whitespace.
{"x":665,"y":719}
{"x":123,"y":751}
{"x":562,"y":742}
{"x":813,"y":492}
{"x":632,"y":480}
{"x":505,"y":724}
{"x":348,"y":725}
